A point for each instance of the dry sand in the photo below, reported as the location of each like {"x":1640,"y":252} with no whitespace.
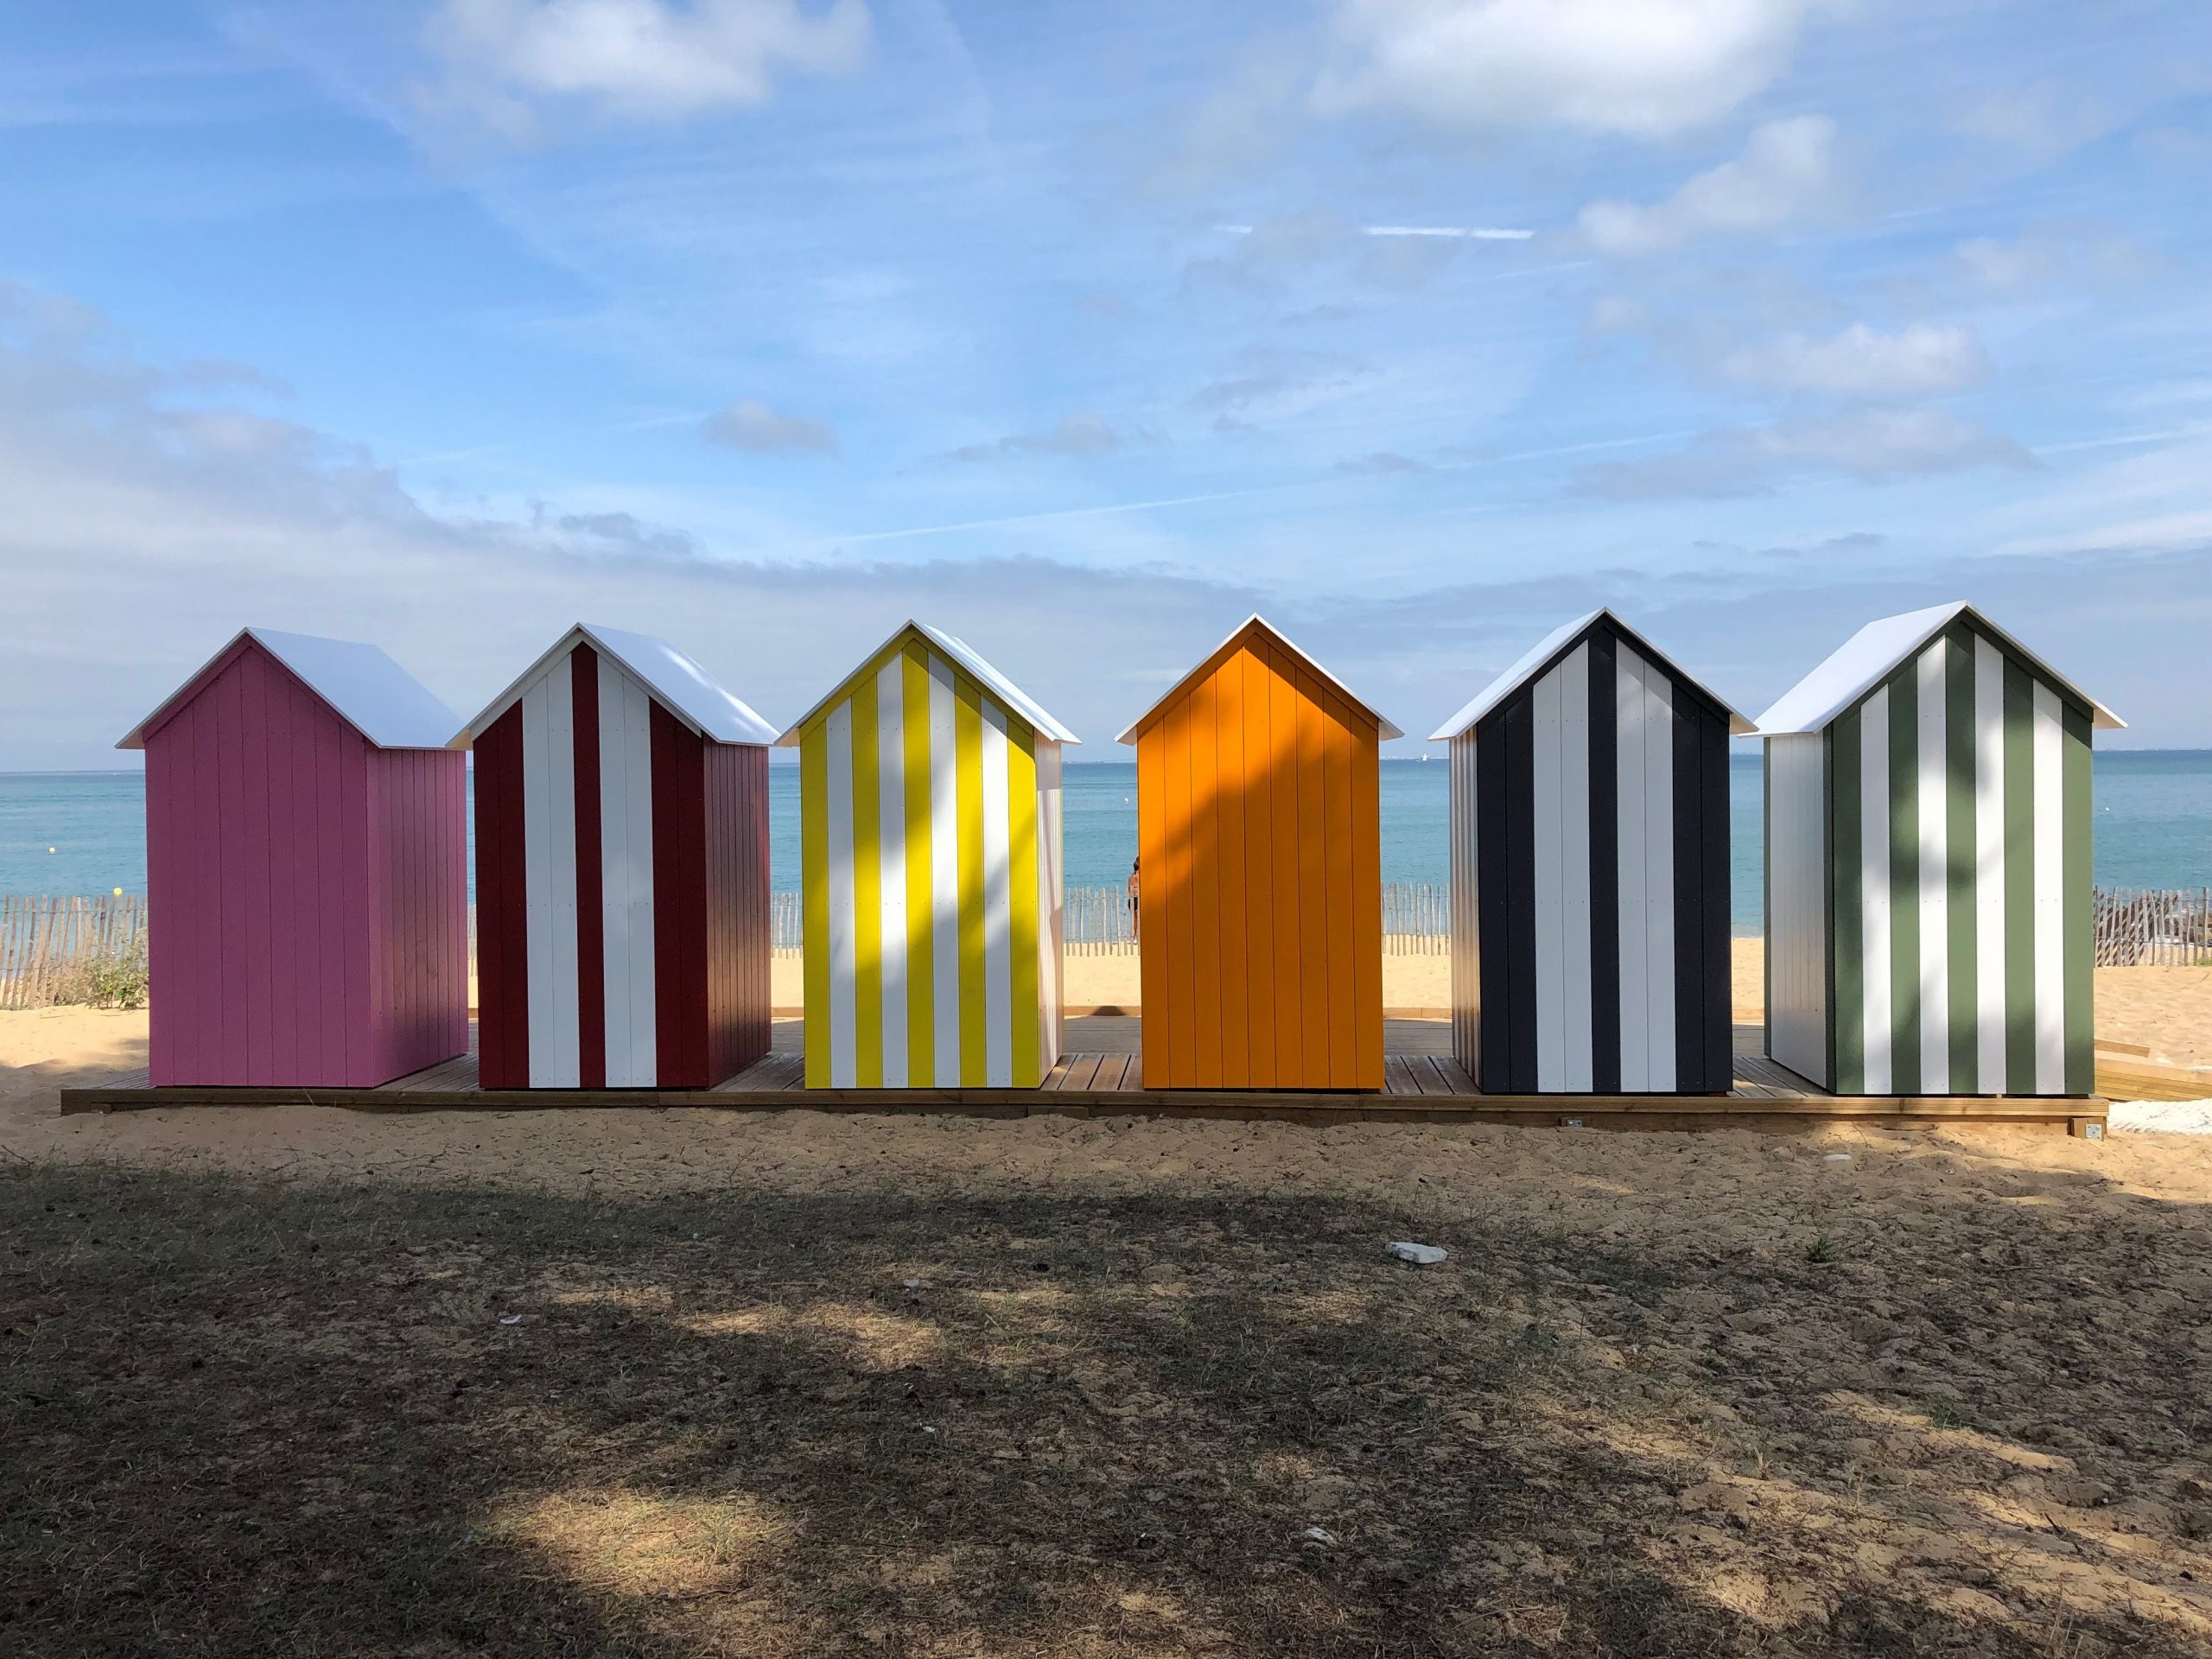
{"x":2057,"y":1478}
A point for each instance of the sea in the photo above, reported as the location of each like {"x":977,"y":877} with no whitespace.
{"x":85,"y":832}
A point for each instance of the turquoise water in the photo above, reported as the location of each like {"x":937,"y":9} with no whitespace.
{"x":2153,"y":826}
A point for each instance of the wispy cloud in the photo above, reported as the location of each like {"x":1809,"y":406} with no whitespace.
{"x":751,"y":426}
{"x":1786,"y":173}
{"x":1080,"y":434}
{"x":642,"y":60}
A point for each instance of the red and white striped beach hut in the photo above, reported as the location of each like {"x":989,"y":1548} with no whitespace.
{"x":307,"y":870}
{"x":621,"y":872}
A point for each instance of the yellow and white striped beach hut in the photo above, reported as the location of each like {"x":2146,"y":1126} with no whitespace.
{"x":929,"y":817}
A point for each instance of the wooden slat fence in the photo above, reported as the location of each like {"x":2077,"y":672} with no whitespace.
{"x":46,"y":942}
{"x":2140,"y":928}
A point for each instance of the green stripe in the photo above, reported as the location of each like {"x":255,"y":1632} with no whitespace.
{"x":1849,"y":1015}
{"x":1958,"y":761}
{"x":1905,"y":879}
{"x":2079,"y":945}
{"x":2019,"y":880}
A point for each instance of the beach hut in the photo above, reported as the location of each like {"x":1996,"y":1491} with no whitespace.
{"x":621,"y":871}
{"x":305,"y":870}
{"x":1590,"y":872}
{"x":1929,"y":898}
{"x":1260,"y":909}
{"x":929,"y":826}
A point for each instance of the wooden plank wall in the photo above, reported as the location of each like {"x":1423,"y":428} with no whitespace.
{"x":274,"y":866}
{"x":737,"y":907}
{"x":1258,"y":816}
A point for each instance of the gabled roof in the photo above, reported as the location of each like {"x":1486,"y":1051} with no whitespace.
{"x":677,"y":681}
{"x":370,"y":692}
{"x":960,"y":652}
{"x":1220,"y":654}
{"x":1556,"y":643}
{"x":1863,"y":661}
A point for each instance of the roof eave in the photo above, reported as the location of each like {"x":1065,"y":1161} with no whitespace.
{"x":1386,"y":729}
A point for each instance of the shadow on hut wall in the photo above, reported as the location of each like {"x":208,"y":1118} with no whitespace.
{"x":252,"y":1417}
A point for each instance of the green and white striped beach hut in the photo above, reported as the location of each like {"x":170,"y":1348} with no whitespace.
{"x":1929,"y":904}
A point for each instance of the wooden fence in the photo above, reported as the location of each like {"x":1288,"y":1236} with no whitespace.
{"x":2138,"y":929}
{"x":46,"y":943}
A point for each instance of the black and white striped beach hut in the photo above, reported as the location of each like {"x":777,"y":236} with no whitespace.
{"x":1590,"y":872}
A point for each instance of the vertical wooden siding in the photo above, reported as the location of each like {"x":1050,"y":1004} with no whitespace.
{"x":1590,"y":832}
{"x":291,"y":889}
{"x":930,"y":818}
{"x":1258,"y":814}
{"x":418,"y":905}
{"x":621,"y":889}
{"x":737,"y":907}
{"x":1959,"y":813}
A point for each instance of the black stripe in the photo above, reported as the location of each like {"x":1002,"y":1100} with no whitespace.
{"x":1521,"y":888}
{"x":1604,"y":865}
{"x":1688,"y":873}
{"x":1720,"y":966}
{"x":1492,"y":882}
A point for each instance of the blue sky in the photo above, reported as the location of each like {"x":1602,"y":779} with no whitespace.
{"x":1083,"y":331}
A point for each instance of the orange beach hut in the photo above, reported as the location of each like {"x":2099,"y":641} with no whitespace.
{"x":1259,"y":902}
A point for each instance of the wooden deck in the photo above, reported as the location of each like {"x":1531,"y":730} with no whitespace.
{"x":1104,"y":1077}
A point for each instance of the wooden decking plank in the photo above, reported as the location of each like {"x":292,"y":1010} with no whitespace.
{"x":1082,"y":1072}
{"x":1398,"y":1076}
{"x":1428,"y":1074}
{"x":1457,"y":1078}
{"x":1112,"y":1069}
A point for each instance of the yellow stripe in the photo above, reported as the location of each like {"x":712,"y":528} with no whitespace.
{"x":1021,"y":860}
{"x":967,"y":768}
{"x":867,"y":894}
{"x":921,"y":1008}
{"x":814,"y":883}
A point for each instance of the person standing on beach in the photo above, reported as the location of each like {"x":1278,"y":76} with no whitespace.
{"x":1134,"y":923}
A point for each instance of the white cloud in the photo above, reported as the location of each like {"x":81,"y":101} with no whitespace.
{"x":751,"y":426}
{"x":2042,"y":120}
{"x":1923,"y":360}
{"x":1786,"y":173}
{"x":651,"y":61}
{"x":1643,"y":68}
{"x":1079,"y":434}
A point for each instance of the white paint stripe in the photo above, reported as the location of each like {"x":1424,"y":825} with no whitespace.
{"x":998,"y":906}
{"x":944,"y":874}
{"x":2051,"y":892}
{"x":1935,"y":988}
{"x":1874,"y":884}
{"x":561,"y":863}
{"x":1551,"y":990}
{"x":1659,"y":871}
{"x":837,"y":735}
{"x":1635,"y":912}
{"x":1050,"y":923}
{"x":1575,"y":867}
{"x":625,"y":816}
{"x":891,"y":820}
{"x":644,"y":920}
{"x":1989,"y":864}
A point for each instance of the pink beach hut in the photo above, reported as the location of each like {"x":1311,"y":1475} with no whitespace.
{"x":307,"y":875}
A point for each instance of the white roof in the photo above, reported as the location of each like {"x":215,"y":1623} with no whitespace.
{"x":963,"y":653}
{"x":676,"y":680}
{"x":1534,"y":660}
{"x":371,"y":693}
{"x":1863,"y":661}
{"x":1129,"y":736}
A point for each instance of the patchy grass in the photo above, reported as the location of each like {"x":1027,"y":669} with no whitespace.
{"x":247,"y":1417}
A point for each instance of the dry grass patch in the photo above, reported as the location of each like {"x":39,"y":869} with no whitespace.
{"x":246,"y":1416}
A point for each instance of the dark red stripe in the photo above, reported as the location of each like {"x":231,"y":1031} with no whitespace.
{"x":591,"y":918}
{"x":502,"y":905}
{"x":679,"y":904}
